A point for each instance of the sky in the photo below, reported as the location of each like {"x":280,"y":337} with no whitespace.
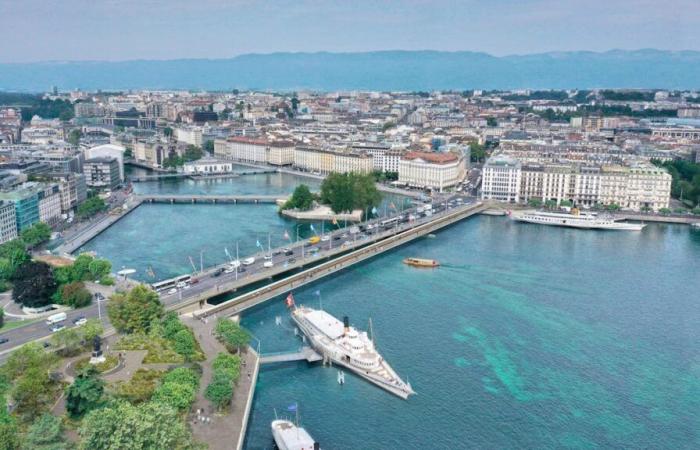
{"x":51,"y":30}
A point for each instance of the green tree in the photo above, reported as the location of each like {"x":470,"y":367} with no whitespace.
{"x":192,"y":153}
{"x":168,"y":132}
{"x":74,"y":136}
{"x":75,"y":295}
{"x":12,"y":255}
{"x":129,"y":153}
{"x":302,"y":199}
{"x":664,"y":211}
{"x":90,"y":207}
{"x":33,"y":393}
{"x":2,"y":316}
{"x":151,"y":425}
{"x":140,"y":388}
{"x":566,"y":203}
{"x":9,"y":432}
{"x":184,"y":344}
{"x":134,"y":311}
{"x":349,"y":191}
{"x":550,"y":204}
{"x":36,"y":234}
{"x":34,"y":284}
{"x":534,"y":202}
{"x":696,"y":211}
{"x":85,"y":394}
{"x":219,"y":391}
{"x":477,"y":152}
{"x":491,"y":122}
{"x":69,"y":341}
{"x":46,"y":433}
{"x":209,"y":146}
{"x":231,"y":334}
{"x":99,"y":268}
{"x":178,"y":388}
{"x":613,"y":207}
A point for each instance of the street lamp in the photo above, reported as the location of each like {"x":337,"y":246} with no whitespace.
{"x":302,"y":245}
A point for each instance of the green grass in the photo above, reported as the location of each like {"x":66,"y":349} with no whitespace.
{"x":12,"y":324}
{"x":159,"y":349}
{"x":110,"y":363}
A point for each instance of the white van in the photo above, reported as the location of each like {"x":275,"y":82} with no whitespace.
{"x":55,"y":318}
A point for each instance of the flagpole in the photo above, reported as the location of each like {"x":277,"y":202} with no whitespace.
{"x":238,"y":261}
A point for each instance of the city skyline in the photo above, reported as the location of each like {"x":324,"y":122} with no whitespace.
{"x":128,"y":30}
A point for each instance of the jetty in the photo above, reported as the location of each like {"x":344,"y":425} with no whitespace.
{"x":304,"y":354}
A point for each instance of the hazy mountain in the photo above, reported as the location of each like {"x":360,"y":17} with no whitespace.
{"x":384,"y":70}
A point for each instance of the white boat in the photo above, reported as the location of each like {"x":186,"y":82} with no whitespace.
{"x":574,"y":219}
{"x":342,"y":344}
{"x":289,"y":436}
{"x":695,"y":225}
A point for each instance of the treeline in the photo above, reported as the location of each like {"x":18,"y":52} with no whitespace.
{"x":349,"y":191}
{"x":628,"y":96}
{"x":601,"y":110}
{"x":686,"y":180}
{"x":35,"y":104}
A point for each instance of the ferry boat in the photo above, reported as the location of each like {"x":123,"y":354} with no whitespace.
{"x":695,"y":225}
{"x":289,"y":436}
{"x":420,"y":262}
{"x":575,"y":219}
{"x":345,"y":346}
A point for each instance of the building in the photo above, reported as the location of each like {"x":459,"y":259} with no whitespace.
{"x":109,"y":151}
{"x":241,"y":148}
{"x":384,"y":158}
{"x":432,"y":170}
{"x":501,"y":179}
{"x":318,"y":160}
{"x":189,"y":135}
{"x":8,"y":222}
{"x":151,"y":153}
{"x":208,"y":166}
{"x":102,"y":173}
{"x":49,"y":204}
{"x":648,"y":187}
{"x":281,"y":153}
{"x":72,"y":189}
{"x":25,"y":199}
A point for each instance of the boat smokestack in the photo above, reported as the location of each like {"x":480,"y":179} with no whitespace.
{"x":317,"y":446}
{"x":346,"y":323}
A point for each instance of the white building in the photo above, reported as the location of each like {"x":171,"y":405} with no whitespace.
{"x":50,"y":205}
{"x":108,"y":151}
{"x":208,"y":166}
{"x":501,"y":179}
{"x":8,"y":222}
{"x":432,"y":170}
{"x":281,"y":153}
{"x":314,"y":159}
{"x":189,"y":135}
{"x":241,"y":148}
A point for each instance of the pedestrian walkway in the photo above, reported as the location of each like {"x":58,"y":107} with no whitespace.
{"x":220,"y":430}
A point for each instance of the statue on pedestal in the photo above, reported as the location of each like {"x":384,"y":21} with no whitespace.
{"x":97,"y":356}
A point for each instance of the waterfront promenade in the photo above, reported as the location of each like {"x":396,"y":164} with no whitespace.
{"x":221,"y":430}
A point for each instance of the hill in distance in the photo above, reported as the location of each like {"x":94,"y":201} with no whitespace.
{"x":380,"y":70}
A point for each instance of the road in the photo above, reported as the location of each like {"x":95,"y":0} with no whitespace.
{"x":299,"y":251}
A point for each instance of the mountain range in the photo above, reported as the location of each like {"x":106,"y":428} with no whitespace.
{"x":379,"y":70}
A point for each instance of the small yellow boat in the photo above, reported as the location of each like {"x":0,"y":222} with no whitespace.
{"x":420,"y":262}
{"x":314,"y":240}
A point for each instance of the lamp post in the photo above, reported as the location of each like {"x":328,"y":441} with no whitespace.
{"x":302,"y":245}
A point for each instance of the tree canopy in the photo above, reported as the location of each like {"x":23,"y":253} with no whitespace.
{"x":34,"y":284}
{"x":85,"y":394}
{"x":231,"y":334}
{"x":152,"y":425}
{"x":302,"y":199}
{"x":135,"y":310}
{"x":349,"y":191}
{"x":36,"y":234}
{"x":686,"y":179}
{"x":90,"y":207}
{"x":46,"y":433}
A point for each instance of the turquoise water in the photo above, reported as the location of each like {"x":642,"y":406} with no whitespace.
{"x":527,"y":337}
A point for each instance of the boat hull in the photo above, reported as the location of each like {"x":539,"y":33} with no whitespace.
{"x":573,"y":223}
{"x":321,"y":349}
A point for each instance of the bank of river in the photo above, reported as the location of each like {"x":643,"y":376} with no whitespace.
{"x":527,"y":337}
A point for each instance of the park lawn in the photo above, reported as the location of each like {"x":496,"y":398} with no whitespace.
{"x":12,"y":324}
{"x":159,"y":349}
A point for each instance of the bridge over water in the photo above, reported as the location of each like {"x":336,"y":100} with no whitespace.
{"x":197,"y":198}
{"x":303,"y":354}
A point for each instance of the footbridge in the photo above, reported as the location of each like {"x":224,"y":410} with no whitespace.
{"x":198,"y":176}
{"x":196,"y":198}
{"x":303,"y":354}
{"x":318,"y":266}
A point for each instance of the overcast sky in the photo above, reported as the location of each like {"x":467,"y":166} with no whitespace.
{"x":43,"y":30}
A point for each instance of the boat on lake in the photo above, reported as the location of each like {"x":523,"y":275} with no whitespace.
{"x":421,"y":262}
{"x":290,"y":436}
{"x":574,"y":219}
{"x":345,"y":346}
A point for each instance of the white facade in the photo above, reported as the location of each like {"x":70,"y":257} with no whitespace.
{"x":108,"y":151}
{"x":314,"y":159}
{"x":190,"y":135}
{"x":8,"y":222}
{"x":208,"y":166}
{"x":50,"y":205}
{"x":501,"y":179}
{"x":432,"y":170}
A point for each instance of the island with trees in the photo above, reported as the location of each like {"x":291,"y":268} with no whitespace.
{"x":343,"y":196}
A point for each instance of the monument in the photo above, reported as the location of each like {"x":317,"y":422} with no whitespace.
{"x":97,"y":356}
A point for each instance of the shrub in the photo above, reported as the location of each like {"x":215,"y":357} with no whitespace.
{"x":231,"y":334}
{"x":178,"y":389}
{"x":75,"y":295}
{"x":227,"y":369}
{"x":140,"y":388}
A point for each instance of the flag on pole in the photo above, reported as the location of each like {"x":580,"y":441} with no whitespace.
{"x":312,"y":228}
{"x":290,"y":300}
{"x":257,"y":243}
{"x":374,"y":211}
{"x":292,"y":407}
{"x":286,"y":235}
{"x":226,"y":251}
{"x":392,"y":206}
{"x":335,"y":221}
{"x":317,"y":293}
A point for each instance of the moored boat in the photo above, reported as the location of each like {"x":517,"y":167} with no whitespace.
{"x":290,"y":436}
{"x":421,"y":262}
{"x":575,"y":219}
{"x":345,"y":346}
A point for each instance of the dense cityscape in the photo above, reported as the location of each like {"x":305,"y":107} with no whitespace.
{"x":327,"y":225}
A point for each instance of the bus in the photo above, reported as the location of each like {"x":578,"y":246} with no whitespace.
{"x":388,"y":223}
{"x":56,"y":318}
